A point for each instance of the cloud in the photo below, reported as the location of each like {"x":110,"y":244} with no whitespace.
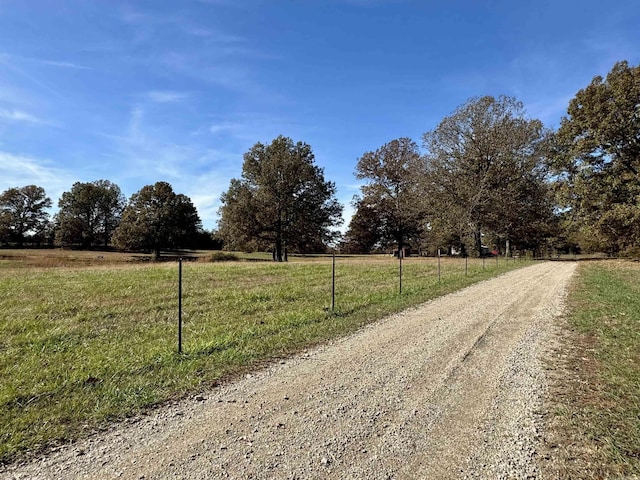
{"x":191,"y":51}
{"x":205,"y":191}
{"x":19,"y":116}
{"x":149,"y":25}
{"x":225,"y":127}
{"x":216,"y":36}
{"x":144,"y":154}
{"x":347,"y":214}
{"x":9,"y":62}
{"x":167,"y":96}
{"x":6,"y":57}
{"x":21,"y":170}
{"x":253,"y":127}
{"x":55,"y":63}
{"x":226,"y":72}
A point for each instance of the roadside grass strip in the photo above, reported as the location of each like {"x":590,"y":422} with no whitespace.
{"x":604,"y":407}
{"x":82,"y":347}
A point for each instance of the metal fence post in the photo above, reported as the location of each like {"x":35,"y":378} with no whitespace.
{"x":400,"y":258}
{"x":333,"y":283}
{"x":438,"y":265}
{"x":466,"y":265}
{"x":180,"y":305}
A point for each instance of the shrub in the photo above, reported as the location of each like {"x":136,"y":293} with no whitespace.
{"x":222,"y":257}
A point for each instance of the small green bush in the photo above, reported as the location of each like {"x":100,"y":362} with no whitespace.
{"x":224,"y":257}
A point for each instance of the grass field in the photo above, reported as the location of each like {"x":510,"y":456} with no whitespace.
{"x":602,"y":410}
{"x":83,"y":345}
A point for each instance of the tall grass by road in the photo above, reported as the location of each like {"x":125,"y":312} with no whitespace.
{"x":601,"y":408}
{"x":80,"y":347}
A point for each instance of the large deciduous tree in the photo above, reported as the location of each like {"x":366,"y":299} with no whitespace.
{"x":365,"y":229}
{"x":89,"y":213}
{"x":23,"y":212}
{"x":156,"y":219}
{"x":391,"y":200}
{"x":281,"y":201}
{"x":598,"y":157}
{"x":486,"y":173}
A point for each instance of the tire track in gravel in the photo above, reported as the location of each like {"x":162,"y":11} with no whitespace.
{"x":450,"y":389}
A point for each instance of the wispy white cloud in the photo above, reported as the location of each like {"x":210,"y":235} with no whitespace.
{"x":232,"y":75}
{"x":219,"y":58}
{"x":253,"y":127}
{"x":19,"y":116}
{"x":544,"y":77}
{"x":20,"y":170}
{"x":227,"y":127}
{"x":149,"y":25}
{"x":211,"y":35}
{"x":10,"y":64}
{"x":142,"y":154}
{"x":205,"y":191}
{"x":42,"y":61}
{"x":56,"y":63}
{"x":347,"y":214}
{"x":167,"y":96}
{"x":144,"y":148}
{"x":147,"y":153}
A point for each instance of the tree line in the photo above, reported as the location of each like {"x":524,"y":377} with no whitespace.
{"x":480,"y":185}
{"x":96,"y":215}
{"x":487,"y":179}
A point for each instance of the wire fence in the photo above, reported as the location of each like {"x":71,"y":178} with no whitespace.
{"x":335,"y":280}
{"x":113,"y":337}
{"x":202,"y":302}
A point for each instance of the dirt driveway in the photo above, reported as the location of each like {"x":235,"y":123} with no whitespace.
{"x":452,"y":389}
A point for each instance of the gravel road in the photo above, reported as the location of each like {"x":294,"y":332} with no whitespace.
{"x":451,"y":389}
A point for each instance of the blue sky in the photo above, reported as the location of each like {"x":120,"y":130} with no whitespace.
{"x":141,"y":91}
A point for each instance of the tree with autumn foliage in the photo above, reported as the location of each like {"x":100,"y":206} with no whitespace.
{"x":157,"y":219}
{"x":23,"y":213}
{"x":389,"y":209}
{"x":281,"y":202}
{"x":89,"y":214}
{"x":486,"y":174}
{"x":597,"y":161}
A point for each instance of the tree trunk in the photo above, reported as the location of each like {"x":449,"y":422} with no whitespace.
{"x":477,"y":238}
{"x":278,"y":251}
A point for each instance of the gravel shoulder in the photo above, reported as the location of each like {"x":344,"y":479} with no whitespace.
{"x":451,"y":389}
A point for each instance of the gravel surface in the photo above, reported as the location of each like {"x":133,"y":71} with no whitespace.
{"x":451,"y":389}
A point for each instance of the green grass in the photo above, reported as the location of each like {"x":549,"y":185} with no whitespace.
{"x":81,"y":347}
{"x":605,"y":407}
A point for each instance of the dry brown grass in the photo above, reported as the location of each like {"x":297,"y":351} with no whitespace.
{"x":61,"y":258}
{"x":56,"y":258}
